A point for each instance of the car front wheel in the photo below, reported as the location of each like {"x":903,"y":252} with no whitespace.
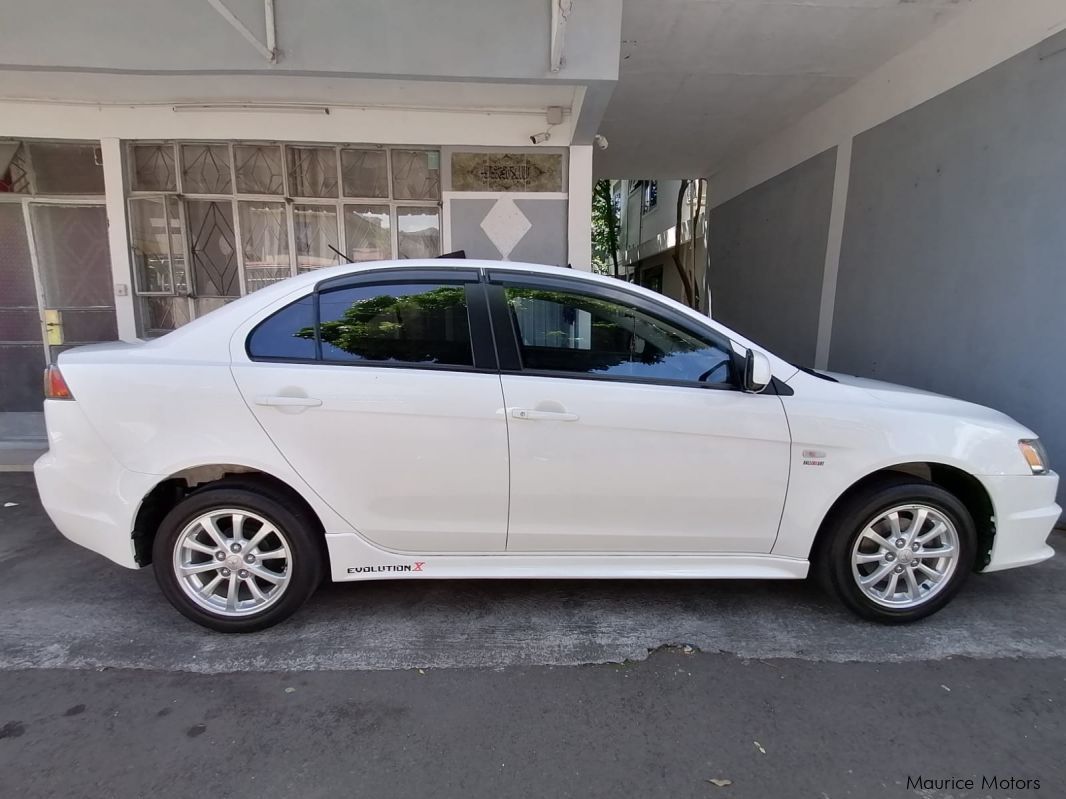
{"x":236,"y":560}
{"x":899,"y":550}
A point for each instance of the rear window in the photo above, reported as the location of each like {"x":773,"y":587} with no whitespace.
{"x":402,"y":323}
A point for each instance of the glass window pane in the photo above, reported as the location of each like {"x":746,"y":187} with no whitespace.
{"x":14,"y":176}
{"x":367,"y":232}
{"x":17,"y":287}
{"x":415,"y":174}
{"x":67,"y":168}
{"x":160,"y":315}
{"x":419,"y":232}
{"x":205,"y":169}
{"x":408,"y":323}
{"x":73,"y":255}
{"x":152,"y":167}
{"x":563,"y":331}
{"x":258,"y":168}
{"x":264,"y":243}
{"x":316,"y":231}
{"x":312,"y":171}
{"x":288,"y":333}
{"x":212,"y":248}
{"x":156,"y":242}
{"x":365,"y":173}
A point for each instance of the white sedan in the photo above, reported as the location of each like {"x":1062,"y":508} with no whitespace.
{"x":465,"y":419}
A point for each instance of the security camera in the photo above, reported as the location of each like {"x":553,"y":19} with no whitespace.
{"x":540,"y":138}
{"x":601,"y":141}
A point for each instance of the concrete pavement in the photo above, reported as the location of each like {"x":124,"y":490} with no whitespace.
{"x":499,"y":689}
{"x":67,"y":607}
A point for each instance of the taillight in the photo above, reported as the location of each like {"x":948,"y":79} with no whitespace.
{"x":55,"y":387}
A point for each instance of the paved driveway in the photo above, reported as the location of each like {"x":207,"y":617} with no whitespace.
{"x":66,"y":607}
{"x":489,"y":688}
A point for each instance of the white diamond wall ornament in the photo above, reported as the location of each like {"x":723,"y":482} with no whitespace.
{"x":505,"y":225}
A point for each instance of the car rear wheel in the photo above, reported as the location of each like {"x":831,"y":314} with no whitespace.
{"x":236,"y":560}
{"x":898,"y":551}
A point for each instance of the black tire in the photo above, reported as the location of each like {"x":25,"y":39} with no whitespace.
{"x":306,"y":566}
{"x":847,"y":522}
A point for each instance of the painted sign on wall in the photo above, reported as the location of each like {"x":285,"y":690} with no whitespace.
{"x":507,"y":172}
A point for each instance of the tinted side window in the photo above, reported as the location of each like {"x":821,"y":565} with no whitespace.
{"x":564,"y":331}
{"x":288,"y":333}
{"x":404,"y":323}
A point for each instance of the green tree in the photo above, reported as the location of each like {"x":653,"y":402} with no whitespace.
{"x":604,"y":229}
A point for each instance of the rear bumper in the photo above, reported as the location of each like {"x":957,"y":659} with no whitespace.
{"x":1025,"y":515}
{"x":88,"y":495}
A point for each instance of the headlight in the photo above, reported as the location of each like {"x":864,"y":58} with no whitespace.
{"x":1034,"y":454}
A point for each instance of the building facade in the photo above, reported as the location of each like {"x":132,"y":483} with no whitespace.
{"x":911,"y":229}
{"x":648,"y":236}
{"x":158,"y":160}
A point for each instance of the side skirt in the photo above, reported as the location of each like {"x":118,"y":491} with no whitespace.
{"x":351,"y":558}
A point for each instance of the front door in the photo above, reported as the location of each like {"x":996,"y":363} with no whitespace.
{"x":627,"y":433}
{"x":389,"y":408}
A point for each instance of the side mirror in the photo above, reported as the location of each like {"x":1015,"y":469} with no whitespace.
{"x":757,"y":374}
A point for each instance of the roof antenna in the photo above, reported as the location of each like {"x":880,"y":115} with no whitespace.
{"x":344,"y":258}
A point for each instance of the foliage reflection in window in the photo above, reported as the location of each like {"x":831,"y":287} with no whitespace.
{"x":398,"y":323}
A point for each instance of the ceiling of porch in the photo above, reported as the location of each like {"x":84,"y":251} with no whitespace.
{"x":701,"y":79}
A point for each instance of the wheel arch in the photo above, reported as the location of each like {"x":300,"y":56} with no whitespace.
{"x":171,"y":490}
{"x":963,"y":485}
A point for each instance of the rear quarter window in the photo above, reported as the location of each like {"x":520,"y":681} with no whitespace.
{"x":288,"y":333}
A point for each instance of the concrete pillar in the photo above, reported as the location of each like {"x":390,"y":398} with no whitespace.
{"x":118,"y":238}
{"x":579,"y":208}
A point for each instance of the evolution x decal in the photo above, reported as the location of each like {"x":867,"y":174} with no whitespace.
{"x":405,"y":567}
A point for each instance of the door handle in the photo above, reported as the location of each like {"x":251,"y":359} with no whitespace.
{"x":548,"y":416}
{"x":288,"y":402}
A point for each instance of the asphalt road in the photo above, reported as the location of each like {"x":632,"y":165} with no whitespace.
{"x":498,"y":689}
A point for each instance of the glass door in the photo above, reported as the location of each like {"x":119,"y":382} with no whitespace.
{"x":21,"y":350}
{"x":74,"y":270}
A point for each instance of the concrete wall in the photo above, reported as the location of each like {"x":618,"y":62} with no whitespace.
{"x":943,"y":261}
{"x":951,"y":272}
{"x":535,"y":226}
{"x":767,"y":258}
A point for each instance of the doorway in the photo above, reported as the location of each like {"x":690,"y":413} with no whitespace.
{"x":55,"y":293}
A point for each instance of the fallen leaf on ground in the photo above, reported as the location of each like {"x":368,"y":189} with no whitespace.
{"x":945,"y":688}
{"x":290,"y":690}
{"x":10,"y":504}
{"x":759,"y":747}
{"x":719,"y":782}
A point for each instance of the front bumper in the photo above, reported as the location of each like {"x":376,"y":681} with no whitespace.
{"x":1025,"y":512}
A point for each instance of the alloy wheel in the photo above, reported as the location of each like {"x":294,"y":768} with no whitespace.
{"x":905,"y":556}
{"x":232,"y":562}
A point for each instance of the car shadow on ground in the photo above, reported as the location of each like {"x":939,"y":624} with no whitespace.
{"x":65,"y":606}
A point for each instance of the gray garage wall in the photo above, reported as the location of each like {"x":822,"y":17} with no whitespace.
{"x":952,"y":272}
{"x":767,"y":258}
{"x":544,"y":242}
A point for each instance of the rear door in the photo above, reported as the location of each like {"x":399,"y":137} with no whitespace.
{"x":382,"y":391}
{"x":628,"y":432}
